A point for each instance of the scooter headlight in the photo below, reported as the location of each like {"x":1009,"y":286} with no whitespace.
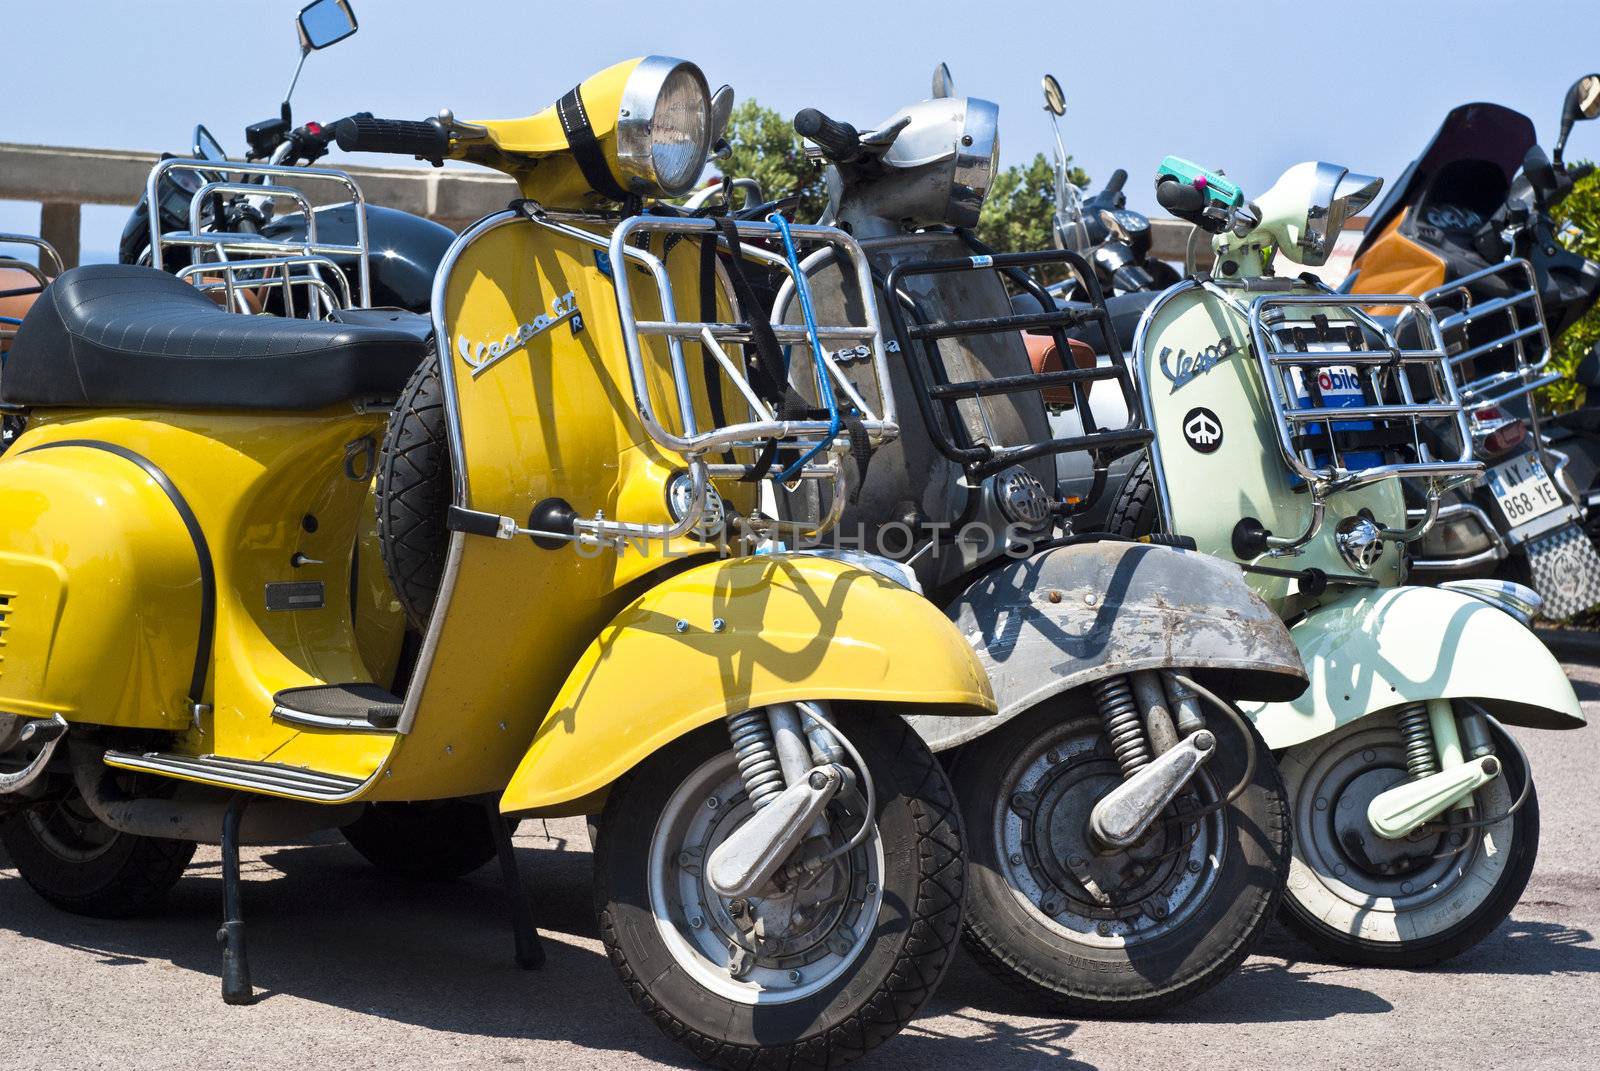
{"x":977,"y":161}
{"x":663,"y":126}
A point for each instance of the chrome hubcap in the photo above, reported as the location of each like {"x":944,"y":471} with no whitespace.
{"x":1062,"y":877}
{"x":800,"y":934}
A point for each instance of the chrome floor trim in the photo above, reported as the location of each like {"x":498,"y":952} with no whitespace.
{"x":269,"y":777}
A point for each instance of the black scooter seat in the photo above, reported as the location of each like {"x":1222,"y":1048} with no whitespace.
{"x":120,"y":336}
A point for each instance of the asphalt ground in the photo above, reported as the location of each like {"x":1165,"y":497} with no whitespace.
{"x":357,"y":970}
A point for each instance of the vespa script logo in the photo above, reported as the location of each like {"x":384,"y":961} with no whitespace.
{"x":1202,"y":429}
{"x":1191,"y":366}
{"x":485,"y":355}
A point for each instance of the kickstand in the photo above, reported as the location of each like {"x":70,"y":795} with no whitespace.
{"x":530,"y":951}
{"x":236,"y":988}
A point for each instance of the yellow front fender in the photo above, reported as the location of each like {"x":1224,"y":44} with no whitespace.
{"x":728,"y":636}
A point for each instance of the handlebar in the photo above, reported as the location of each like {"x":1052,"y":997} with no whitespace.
{"x":1114,"y":186}
{"x":839,"y":141}
{"x":1179,"y":198}
{"x":423,"y":139}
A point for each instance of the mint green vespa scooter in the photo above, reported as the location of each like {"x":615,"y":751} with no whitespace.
{"x":1287,"y":417}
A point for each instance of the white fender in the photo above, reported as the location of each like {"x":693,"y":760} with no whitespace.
{"x":1373,"y":649}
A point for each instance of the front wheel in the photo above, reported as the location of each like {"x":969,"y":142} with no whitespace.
{"x":820,"y":967}
{"x":1123,"y":933}
{"x":1360,"y":898}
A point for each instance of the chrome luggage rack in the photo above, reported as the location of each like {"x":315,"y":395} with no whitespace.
{"x":1517,"y":347}
{"x":47,"y":252}
{"x":1336,"y":331}
{"x":238,"y":263}
{"x":757,"y":440}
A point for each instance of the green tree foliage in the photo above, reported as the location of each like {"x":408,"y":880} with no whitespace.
{"x":765,"y":147}
{"x":1581,"y":209}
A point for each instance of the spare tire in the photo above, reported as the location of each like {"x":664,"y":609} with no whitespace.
{"x":414,"y":492}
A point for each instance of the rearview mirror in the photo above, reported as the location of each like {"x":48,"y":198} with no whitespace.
{"x":1054,"y":100}
{"x":1585,"y":96}
{"x":325,"y":22}
{"x":721,"y":110}
{"x":207,"y":147}
{"x":1583,"y":102}
{"x":943,"y":84}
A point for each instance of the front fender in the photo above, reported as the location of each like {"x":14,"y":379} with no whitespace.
{"x":1370,"y":650}
{"x":729,"y":636}
{"x":1071,"y":615}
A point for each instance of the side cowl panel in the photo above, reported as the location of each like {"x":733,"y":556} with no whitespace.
{"x":1371,"y":650}
{"x":1068,"y":616}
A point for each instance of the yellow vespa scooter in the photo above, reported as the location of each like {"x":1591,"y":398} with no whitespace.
{"x":778,"y":862}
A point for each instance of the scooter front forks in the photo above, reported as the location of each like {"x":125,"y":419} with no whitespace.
{"x":1446,"y":762}
{"x":1157,"y":753}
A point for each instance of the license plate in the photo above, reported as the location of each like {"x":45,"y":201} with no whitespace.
{"x":1523,"y":490}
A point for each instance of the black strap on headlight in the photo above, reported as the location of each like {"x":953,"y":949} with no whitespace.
{"x":586,"y":147}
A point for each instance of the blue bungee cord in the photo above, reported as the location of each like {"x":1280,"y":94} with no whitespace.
{"x":824,"y":385}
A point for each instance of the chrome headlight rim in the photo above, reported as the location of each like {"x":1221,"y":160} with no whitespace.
{"x":977,"y":161}
{"x":636,"y":120}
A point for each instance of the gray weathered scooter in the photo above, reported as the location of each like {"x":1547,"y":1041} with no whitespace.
{"x":1128,"y":833}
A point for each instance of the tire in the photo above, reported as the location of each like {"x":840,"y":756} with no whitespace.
{"x":1032,"y":921}
{"x":435,"y":840}
{"x":860,"y":994}
{"x":1451,"y":905}
{"x":81,"y":865}
{"x":414,"y":492}
{"x":1134,"y":513}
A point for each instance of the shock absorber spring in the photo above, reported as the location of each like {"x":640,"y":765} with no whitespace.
{"x":1121,"y":716}
{"x":1417,"y":734}
{"x":753,"y":749}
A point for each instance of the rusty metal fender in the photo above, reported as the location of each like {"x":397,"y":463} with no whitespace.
{"x":1068,"y":616}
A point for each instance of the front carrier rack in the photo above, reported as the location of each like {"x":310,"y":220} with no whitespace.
{"x":1319,"y":351}
{"x":245,"y":265}
{"x":757,"y":435}
{"x":940,"y":398}
{"x":1499,"y":346}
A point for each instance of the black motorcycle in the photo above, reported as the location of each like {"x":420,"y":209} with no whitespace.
{"x":1469,"y":227}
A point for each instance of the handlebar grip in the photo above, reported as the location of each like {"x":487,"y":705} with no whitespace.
{"x":424,"y":139}
{"x":1118,"y":177}
{"x":838,"y":140}
{"x":1180,"y":198}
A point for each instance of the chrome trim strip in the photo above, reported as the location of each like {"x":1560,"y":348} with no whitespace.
{"x":458,"y":463}
{"x":265,"y":777}
{"x":1158,"y":471}
{"x":323,"y":721}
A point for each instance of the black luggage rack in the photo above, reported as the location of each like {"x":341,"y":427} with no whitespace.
{"x":938,"y":397}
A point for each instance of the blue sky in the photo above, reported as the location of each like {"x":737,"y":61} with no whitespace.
{"x":1252,"y":86}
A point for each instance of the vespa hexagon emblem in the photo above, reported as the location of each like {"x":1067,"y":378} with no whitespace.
{"x":1202,"y":429}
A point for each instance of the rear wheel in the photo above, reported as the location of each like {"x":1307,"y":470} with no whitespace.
{"x":811,"y":972}
{"x":1114,"y":934}
{"x":1361,"y":898}
{"x":82,"y":865}
{"x":431,"y":839}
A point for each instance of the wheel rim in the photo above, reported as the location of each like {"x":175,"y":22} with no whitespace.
{"x":1111,"y":900}
{"x":1371,"y":873}
{"x":829,"y":924}
{"x":69,"y":830}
